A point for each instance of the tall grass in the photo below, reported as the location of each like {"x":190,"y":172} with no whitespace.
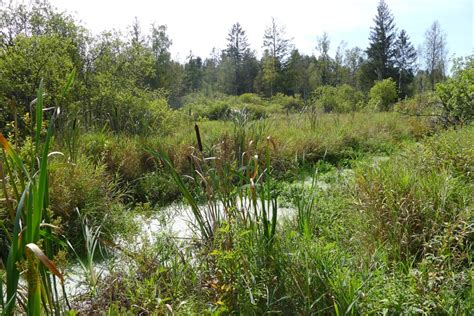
{"x":305,"y":199}
{"x":410,"y":199}
{"x":91,"y":238}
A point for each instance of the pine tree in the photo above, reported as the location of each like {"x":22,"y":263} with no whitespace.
{"x":405,"y":62}
{"x":381,"y":51}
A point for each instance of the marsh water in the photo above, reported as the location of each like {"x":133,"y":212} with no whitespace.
{"x":178,"y":222}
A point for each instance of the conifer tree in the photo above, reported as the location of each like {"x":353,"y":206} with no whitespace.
{"x":243,"y":61}
{"x":381,"y":51}
{"x":405,"y":62}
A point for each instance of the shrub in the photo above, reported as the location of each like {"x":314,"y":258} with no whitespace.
{"x":287,"y":102}
{"x":142,"y":113}
{"x":87,"y":187}
{"x":255,"y":112}
{"x":95,"y":146}
{"x":250,"y":98}
{"x":199,"y":98}
{"x":124,"y":157}
{"x":156,"y":188}
{"x":383,"y":95}
{"x":217,"y":110}
{"x":423,"y":103}
{"x":457,"y":94}
{"x":339,"y":99}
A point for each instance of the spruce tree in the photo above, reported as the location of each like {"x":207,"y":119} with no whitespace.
{"x":381,"y":51}
{"x":244,"y":63}
{"x":237,"y":43}
{"x":405,"y":62}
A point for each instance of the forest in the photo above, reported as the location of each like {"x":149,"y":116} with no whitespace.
{"x":286,"y":183}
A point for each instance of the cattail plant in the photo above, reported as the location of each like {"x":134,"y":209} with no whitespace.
{"x":228,"y":188}
{"x":30,"y":233}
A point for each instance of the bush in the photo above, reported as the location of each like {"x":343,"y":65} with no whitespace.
{"x":217,"y":110}
{"x":422,"y":103}
{"x":255,"y":112}
{"x":250,"y":98}
{"x":156,"y":188}
{"x":96,"y":145}
{"x":287,"y":102}
{"x":457,"y":94}
{"x":142,"y":113}
{"x":383,"y":95}
{"x":341,"y":99}
{"x":91,"y":190}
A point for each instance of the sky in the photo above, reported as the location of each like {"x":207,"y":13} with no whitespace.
{"x":199,"y":26}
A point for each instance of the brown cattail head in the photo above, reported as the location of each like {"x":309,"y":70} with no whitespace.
{"x":198,"y":137}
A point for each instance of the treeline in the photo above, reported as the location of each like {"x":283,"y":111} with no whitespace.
{"x":124,"y":80}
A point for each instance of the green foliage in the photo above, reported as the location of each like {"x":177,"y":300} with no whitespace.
{"x":269,"y":73}
{"x":156,"y":188}
{"x":383,"y":95}
{"x":457,"y":94}
{"x":341,"y":99}
{"x":405,"y":62}
{"x":222,"y":107}
{"x":421,"y":104}
{"x":250,"y":98}
{"x":288,"y":103}
{"x":22,"y":66}
{"x":160,"y":281}
{"x":218,"y":110}
{"x":119,"y":89}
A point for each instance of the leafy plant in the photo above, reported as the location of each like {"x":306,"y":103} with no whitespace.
{"x":383,"y":95}
{"x":342,"y":99}
{"x":457,"y":94}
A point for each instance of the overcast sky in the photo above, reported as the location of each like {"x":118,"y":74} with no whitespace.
{"x":201,"y":25}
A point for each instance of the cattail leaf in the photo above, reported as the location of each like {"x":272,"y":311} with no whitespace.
{"x":55,"y":153}
{"x":69,"y":83}
{"x":13,"y":155}
{"x":39,"y":115}
{"x":31,"y":247}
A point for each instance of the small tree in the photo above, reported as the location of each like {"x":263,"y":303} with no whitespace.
{"x":457,"y":93}
{"x":383,"y":95}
